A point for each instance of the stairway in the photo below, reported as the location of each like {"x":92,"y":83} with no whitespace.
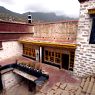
{"x":87,"y":86}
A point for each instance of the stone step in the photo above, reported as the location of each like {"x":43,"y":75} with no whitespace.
{"x":93,"y":90}
{"x":90,"y":86}
{"x":63,"y":89}
{"x":81,"y":87}
{"x":85,"y":87}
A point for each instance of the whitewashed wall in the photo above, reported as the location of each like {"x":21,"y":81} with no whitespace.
{"x":10,"y":49}
{"x":85,"y":52}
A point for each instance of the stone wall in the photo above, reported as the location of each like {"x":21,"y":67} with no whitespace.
{"x":62,"y":32}
{"x":56,"y":32}
{"x":85,"y":52}
{"x":10,"y":49}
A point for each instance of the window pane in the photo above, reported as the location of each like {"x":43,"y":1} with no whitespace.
{"x":92,"y":35}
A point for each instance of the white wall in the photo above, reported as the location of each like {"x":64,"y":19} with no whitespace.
{"x":85,"y":52}
{"x":10,"y":49}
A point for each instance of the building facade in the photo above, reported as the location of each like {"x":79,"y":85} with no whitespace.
{"x":85,"y":51}
{"x":10,"y":32}
{"x":52,"y":43}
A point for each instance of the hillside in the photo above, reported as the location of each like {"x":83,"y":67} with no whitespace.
{"x":8,"y":15}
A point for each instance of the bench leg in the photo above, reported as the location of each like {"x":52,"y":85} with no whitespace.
{"x":31,"y":86}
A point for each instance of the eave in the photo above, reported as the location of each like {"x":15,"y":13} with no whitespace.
{"x":81,"y":1}
{"x":91,"y":11}
{"x":50,"y":44}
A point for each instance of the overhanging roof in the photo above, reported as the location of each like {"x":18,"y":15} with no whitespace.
{"x":82,"y":1}
{"x":91,"y":11}
{"x":51,"y":44}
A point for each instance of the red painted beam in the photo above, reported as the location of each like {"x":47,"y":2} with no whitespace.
{"x":13,"y":31}
{"x":7,"y":27}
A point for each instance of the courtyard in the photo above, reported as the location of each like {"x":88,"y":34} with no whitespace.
{"x":56,"y":76}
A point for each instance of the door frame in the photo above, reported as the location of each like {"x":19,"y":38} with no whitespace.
{"x":68,"y":62}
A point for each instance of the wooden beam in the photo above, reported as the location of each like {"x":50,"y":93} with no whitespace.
{"x":51,"y":44}
{"x":91,"y":11}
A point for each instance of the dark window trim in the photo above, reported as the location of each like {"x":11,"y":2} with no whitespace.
{"x":92,"y":35}
{"x":1,"y":45}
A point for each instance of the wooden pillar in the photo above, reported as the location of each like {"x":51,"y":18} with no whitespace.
{"x":41,"y":54}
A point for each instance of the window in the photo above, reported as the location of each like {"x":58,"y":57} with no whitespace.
{"x":92,"y":35}
{"x":28,"y":50}
{"x":29,"y":16}
{"x":52,"y":56}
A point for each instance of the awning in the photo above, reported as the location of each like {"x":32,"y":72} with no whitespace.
{"x":51,"y":44}
{"x":91,"y":11}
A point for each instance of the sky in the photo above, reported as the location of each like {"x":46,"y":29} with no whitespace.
{"x":60,"y":7}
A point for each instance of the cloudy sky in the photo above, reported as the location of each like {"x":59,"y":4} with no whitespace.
{"x":60,"y":7}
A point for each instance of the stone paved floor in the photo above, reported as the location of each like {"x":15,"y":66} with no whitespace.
{"x":55,"y":75}
{"x":19,"y":89}
{"x":61,"y":89}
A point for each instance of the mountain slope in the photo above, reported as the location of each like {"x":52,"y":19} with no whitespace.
{"x":38,"y":16}
{"x":8,"y":15}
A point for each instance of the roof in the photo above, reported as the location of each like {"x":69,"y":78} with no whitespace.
{"x":37,"y":23}
{"x":63,"y":21}
{"x":14,"y":22}
{"x":91,"y":11}
{"x":81,"y":1}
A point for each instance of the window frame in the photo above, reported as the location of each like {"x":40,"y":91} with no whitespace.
{"x":1,"y":47}
{"x":92,"y":34}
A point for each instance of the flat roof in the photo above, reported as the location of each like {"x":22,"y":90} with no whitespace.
{"x":37,"y":23}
